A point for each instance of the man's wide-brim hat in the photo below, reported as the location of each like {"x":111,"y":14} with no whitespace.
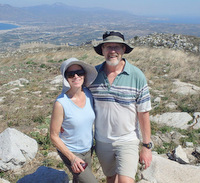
{"x":112,"y":37}
{"x":90,"y":71}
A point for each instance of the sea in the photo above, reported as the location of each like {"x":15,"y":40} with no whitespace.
{"x":178,"y":20}
{"x":4,"y":26}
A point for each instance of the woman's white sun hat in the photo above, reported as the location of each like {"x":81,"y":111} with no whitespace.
{"x":90,"y":71}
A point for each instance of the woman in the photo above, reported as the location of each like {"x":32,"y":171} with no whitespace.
{"x":73,"y":113}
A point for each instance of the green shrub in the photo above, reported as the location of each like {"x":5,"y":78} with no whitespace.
{"x":167,"y":147}
{"x":48,"y":162}
{"x":43,"y":66}
{"x":165,"y":129}
{"x":51,"y":61}
{"x":60,"y":165}
{"x":43,"y":140}
{"x":191,"y":135}
{"x":39,"y":119}
{"x":154,"y":128}
{"x":31,"y":63}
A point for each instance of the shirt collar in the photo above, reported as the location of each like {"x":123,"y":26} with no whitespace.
{"x":126,"y":67}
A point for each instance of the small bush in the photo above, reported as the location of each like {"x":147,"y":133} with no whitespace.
{"x":43,"y":66}
{"x":191,"y":135}
{"x":43,"y":141}
{"x":167,"y":147}
{"x":166,"y":129}
{"x":39,"y":119}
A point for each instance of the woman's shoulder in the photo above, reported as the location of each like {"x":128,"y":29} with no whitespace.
{"x":61,"y":97}
{"x":87,"y":92}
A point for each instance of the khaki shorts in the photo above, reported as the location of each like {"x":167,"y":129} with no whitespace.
{"x":118,"y":157}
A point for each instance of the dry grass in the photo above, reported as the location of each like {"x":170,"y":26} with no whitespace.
{"x":174,"y":63}
{"x":29,"y":108}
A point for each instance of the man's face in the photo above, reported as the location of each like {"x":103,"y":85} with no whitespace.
{"x":113,"y":53}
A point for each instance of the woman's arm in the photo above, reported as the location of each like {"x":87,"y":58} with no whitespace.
{"x":55,"y":126}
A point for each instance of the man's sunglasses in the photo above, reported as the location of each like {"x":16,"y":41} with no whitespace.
{"x":71,"y":74}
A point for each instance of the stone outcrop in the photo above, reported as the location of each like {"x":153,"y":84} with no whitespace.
{"x":15,"y":149}
{"x":3,"y":181}
{"x":20,"y":82}
{"x":185,"y":88}
{"x":174,"y":119}
{"x":172,"y":41}
{"x":196,"y":122}
{"x":163,"y":170}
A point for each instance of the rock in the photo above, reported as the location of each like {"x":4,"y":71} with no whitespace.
{"x":12,"y":90}
{"x":3,"y":181}
{"x":2,"y":99}
{"x":172,"y":41}
{"x":165,"y":137}
{"x":179,"y":152}
{"x":189,"y":151}
{"x":54,"y":155}
{"x":15,"y":149}
{"x":174,"y":119}
{"x":171,"y":105}
{"x":189,"y":144}
{"x":196,"y":154}
{"x":57,"y":80}
{"x":196,"y":121}
{"x":198,"y":149}
{"x":45,"y":175}
{"x":156,"y":140}
{"x":185,"y":88}
{"x":20,"y":82}
{"x":176,"y":136}
{"x":163,"y":170}
{"x":157,"y":100}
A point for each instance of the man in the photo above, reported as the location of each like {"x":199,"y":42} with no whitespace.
{"x":121,"y":99}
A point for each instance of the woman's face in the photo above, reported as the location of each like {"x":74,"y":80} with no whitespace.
{"x":75,"y":75}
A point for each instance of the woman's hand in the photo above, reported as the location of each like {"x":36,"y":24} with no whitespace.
{"x":76,"y":165}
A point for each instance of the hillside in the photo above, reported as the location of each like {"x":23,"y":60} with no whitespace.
{"x":41,"y":65}
{"x":27,"y":92}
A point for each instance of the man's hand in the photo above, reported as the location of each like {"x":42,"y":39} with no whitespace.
{"x":145,"y":157}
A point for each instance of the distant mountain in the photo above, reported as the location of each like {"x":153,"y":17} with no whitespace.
{"x":60,"y":13}
{"x":10,"y":13}
{"x":59,"y":24}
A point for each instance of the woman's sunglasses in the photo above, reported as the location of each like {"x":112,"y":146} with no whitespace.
{"x":71,"y":74}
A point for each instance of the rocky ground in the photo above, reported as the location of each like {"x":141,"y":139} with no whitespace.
{"x":30,"y":82}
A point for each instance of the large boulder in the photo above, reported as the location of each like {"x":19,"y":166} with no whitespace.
{"x":3,"y":181}
{"x":163,"y":170}
{"x":185,"y":88}
{"x":15,"y":149}
{"x":174,"y":119}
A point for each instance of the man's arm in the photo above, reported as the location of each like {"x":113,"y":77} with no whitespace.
{"x":145,"y":153}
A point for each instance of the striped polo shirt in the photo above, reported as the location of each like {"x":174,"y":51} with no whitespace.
{"x":116,"y":105}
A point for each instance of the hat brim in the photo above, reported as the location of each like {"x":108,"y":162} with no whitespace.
{"x":98,"y":48}
{"x":90,"y":70}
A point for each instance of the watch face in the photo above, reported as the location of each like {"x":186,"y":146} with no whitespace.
{"x":149,"y":145}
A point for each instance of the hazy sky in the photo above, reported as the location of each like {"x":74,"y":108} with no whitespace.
{"x":138,"y":7}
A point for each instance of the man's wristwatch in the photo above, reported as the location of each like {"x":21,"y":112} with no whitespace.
{"x":148,"y":146}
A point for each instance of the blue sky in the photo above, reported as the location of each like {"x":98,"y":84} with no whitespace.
{"x":137,"y":7}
